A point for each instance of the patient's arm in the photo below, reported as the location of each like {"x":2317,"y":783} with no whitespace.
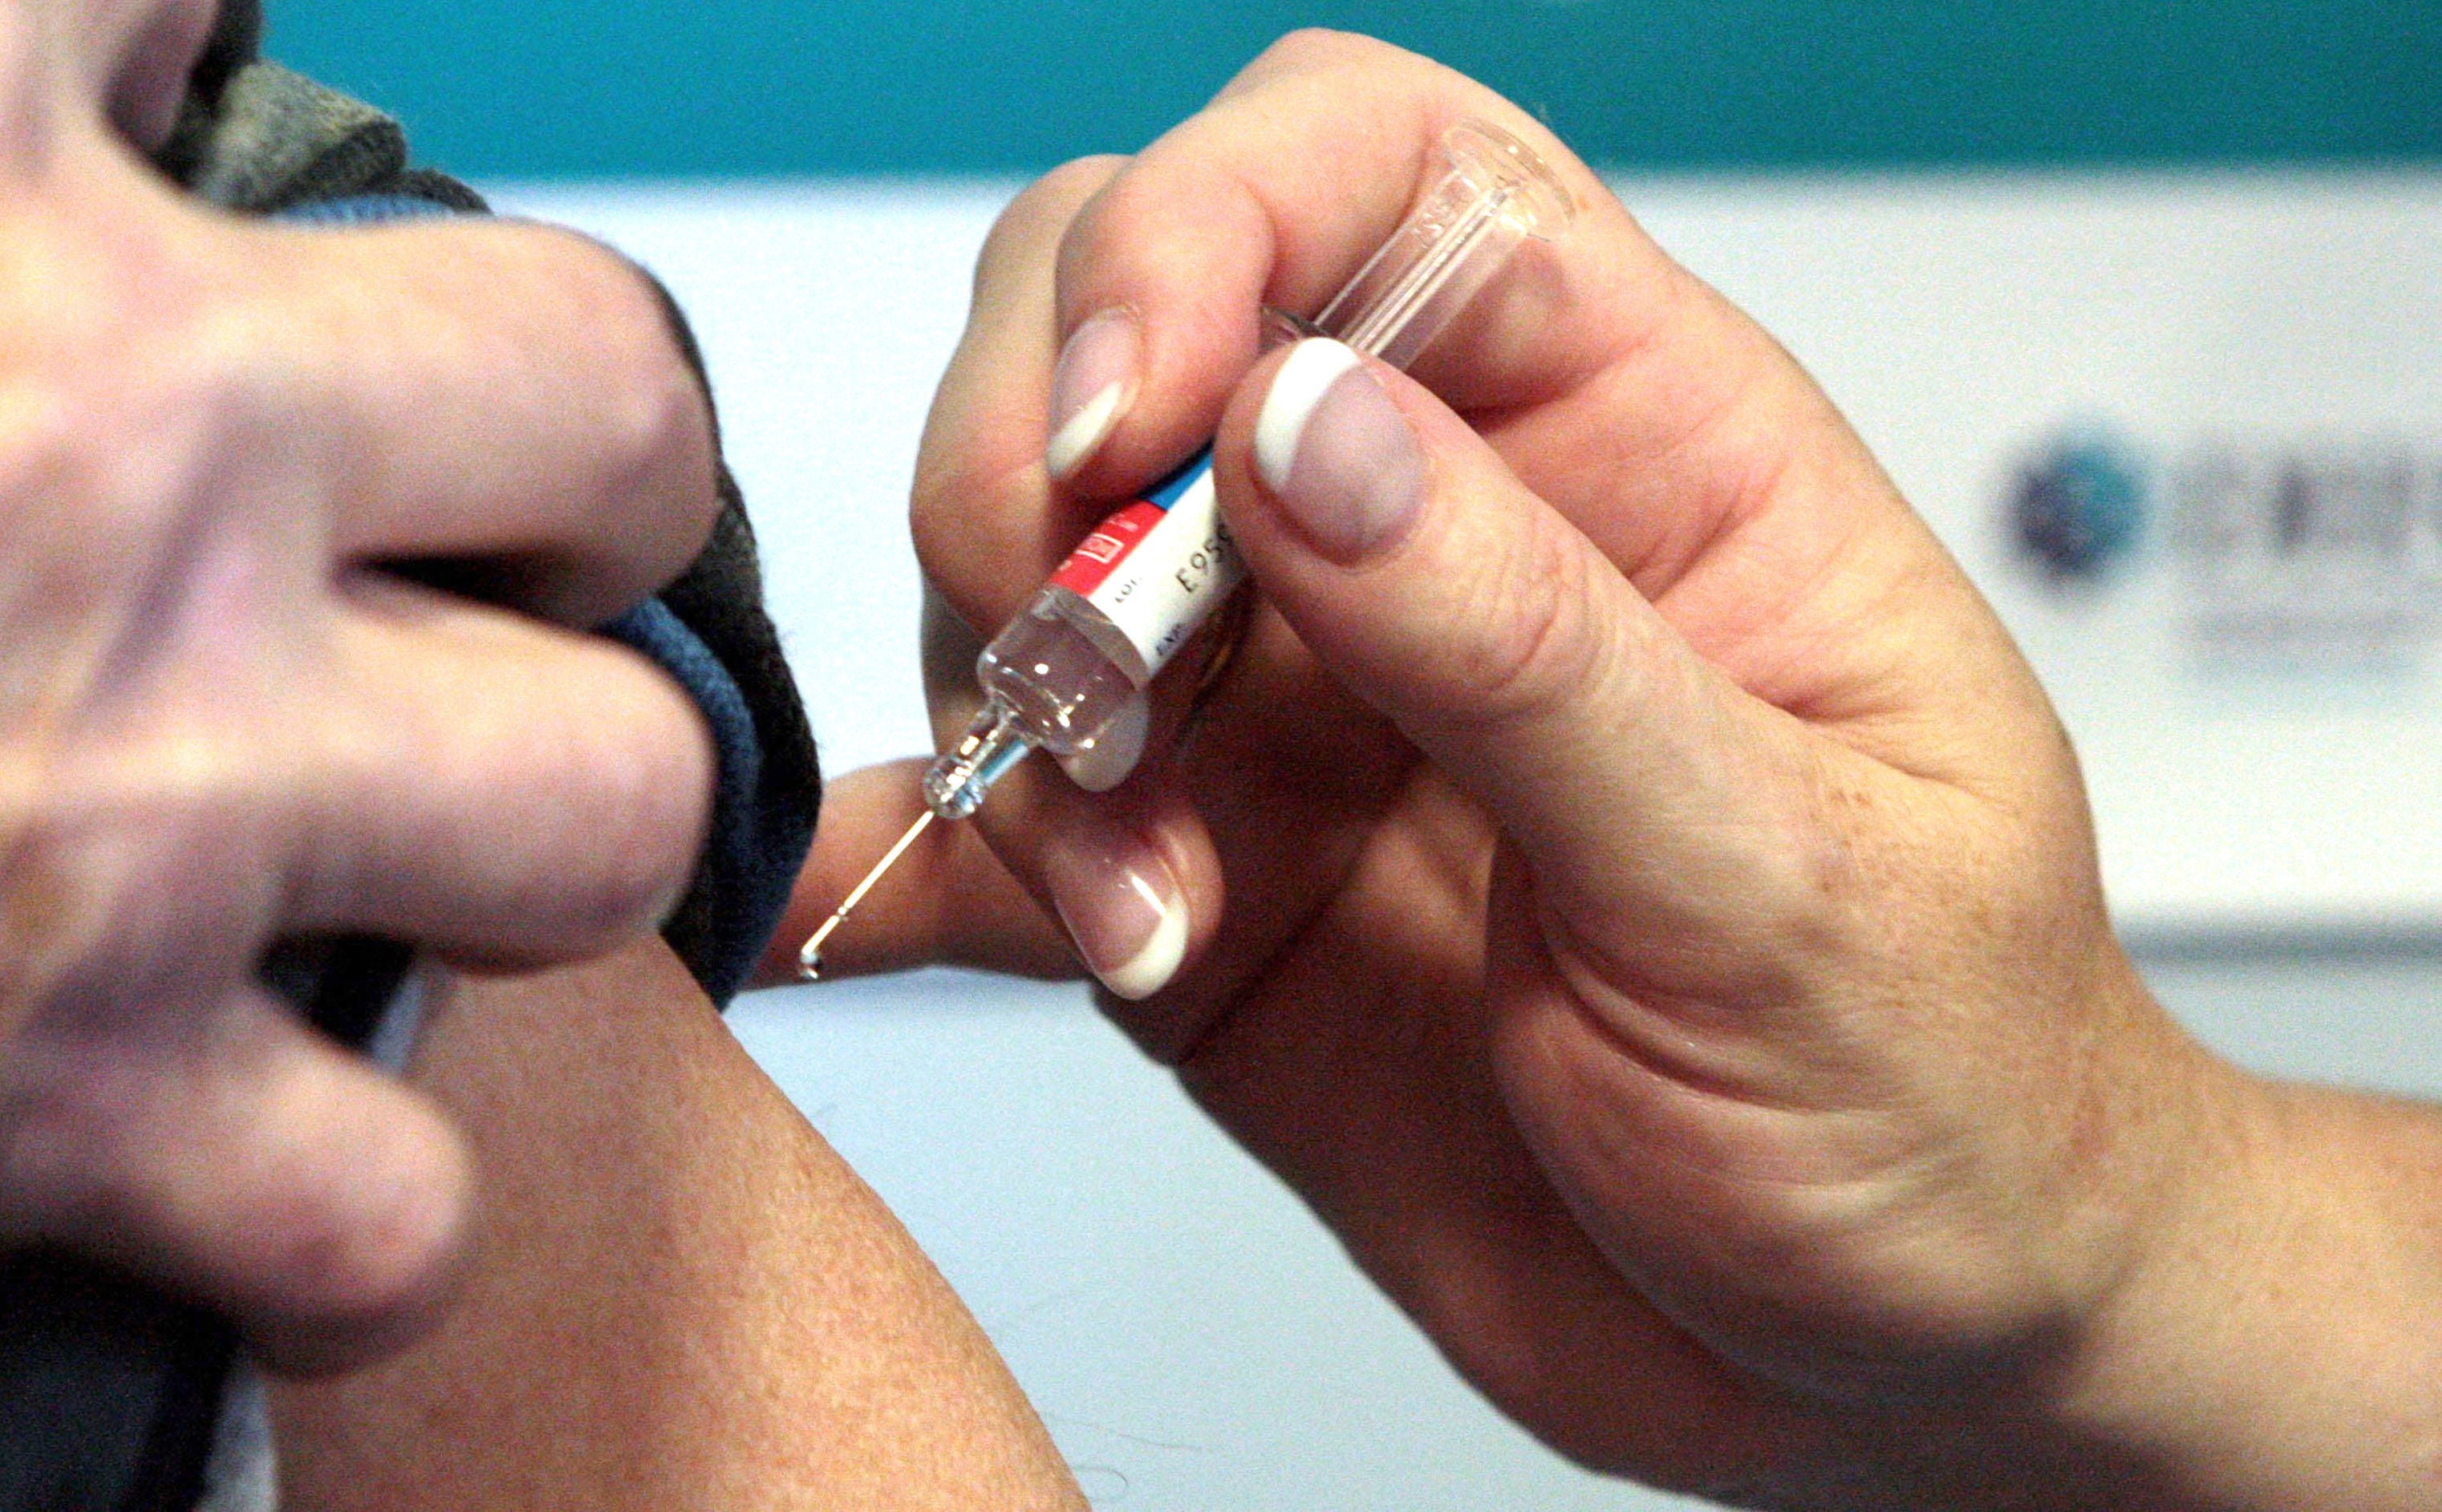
{"x":683,"y":1298}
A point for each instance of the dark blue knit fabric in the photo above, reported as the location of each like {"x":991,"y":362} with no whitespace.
{"x":749,"y":854}
{"x":364,"y":210}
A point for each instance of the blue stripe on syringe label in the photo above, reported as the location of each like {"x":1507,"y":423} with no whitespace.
{"x":1167,"y":492}
{"x":1157,"y":577}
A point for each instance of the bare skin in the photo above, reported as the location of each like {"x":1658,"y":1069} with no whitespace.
{"x":680,"y":1297}
{"x":1633,"y":886}
{"x":1661,"y":928}
{"x":220,"y":722}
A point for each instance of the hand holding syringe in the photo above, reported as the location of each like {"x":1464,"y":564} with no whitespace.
{"x":1134,"y":592}
{"x":1639,"y":898}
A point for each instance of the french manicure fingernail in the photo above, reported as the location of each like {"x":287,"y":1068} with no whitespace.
{"x":1122,"y":907}
{"x":1336,"y":454}
{"x":1092,"y":388}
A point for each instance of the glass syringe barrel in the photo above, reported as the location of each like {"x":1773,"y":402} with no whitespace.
{"x":1136,"y":588}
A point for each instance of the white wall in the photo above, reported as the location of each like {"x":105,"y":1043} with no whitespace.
{"x":2271,"y":828}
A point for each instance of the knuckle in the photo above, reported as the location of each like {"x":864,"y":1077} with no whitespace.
{"x":120,"y":413}
{"x":47,"y":446}
{"x":981,"y":500}
{"x":126,"y":872}
{"x":1078,"y":178}
{"x":1807,"y":907}
{"x":1042,"y":212}
{"x":53,"y":917}
{"x":956,"y":486}
{"x":1308,"y":50}
{"x":1129,"y":238}
{"x":1316,"y":63}
{"x":1540,"y":643}
{"x":73,"y":425}
{"x":652,"y":420}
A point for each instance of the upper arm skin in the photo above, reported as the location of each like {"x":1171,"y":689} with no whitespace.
{"x":681,"y":1297}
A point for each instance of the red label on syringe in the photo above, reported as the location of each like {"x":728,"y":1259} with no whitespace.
{"x":1158,"y":567}
{"x":1100,"y":555}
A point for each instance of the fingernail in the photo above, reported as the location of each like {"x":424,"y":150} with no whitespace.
{"x":1092,"y":388}
{"x":1107,"y":764}
{"x":1122,"y":907}
{"x":1336,"y":454}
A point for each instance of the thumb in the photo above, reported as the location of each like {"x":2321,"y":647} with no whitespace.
{"x":1654,"y":801}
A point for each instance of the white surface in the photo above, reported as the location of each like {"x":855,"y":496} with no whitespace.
{"x":1960,"y":324}
{"x":1195,"y":1342}
{"x":1959,"y":321}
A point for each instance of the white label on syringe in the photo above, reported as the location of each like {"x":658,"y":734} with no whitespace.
{"x":1159,"y":567}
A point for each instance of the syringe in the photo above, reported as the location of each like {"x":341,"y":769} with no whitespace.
{"x":1061,"y":673}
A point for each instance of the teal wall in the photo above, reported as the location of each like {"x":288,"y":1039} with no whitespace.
{"x":750,"y":87}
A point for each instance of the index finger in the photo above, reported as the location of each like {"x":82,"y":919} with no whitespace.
{"x":1694,"y":452}
{"x":1275,"y":195}
{"x":512,"y":396}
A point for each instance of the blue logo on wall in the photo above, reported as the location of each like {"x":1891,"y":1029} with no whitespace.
{"x":2077,"y":507}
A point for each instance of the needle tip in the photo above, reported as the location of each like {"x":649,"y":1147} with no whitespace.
{"x":810,"y":956}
